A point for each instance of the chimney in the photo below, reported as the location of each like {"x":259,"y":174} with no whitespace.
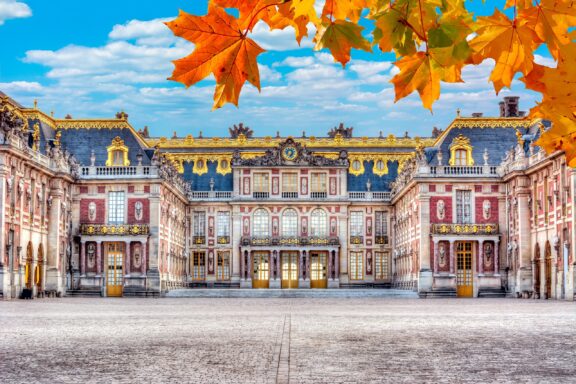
{"x":511,"y":104}
{"x":502,"y":109}
{"x":522,"y":113}
{"x":477,"y":114}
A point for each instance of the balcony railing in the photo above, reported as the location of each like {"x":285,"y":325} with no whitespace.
{"x":198,"y":240}
{"x":124,"y":172}
{"x":464,"y":229}
{"x":290,"y":241}
{"x":289,"y":195}
{"x":369,"y":196}
{"x":318,"y":195}
{"x":441,"y":170}
{"x":211,"y":195}
{"x":356,"y":240}
{"x":114,"y":229}
{"x":223,"y":239}
{"x":381,"y":239}
{"x":261,"y":195}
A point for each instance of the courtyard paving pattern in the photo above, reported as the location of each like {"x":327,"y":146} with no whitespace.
{"x":272,"y":340}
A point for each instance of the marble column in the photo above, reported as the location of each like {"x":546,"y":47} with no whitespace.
{"x":496,"y":258}
{"x":452,"y":257}
{"x":481,"y":256}
{"x":127,"y":261}
{"x":435,"y":256}
{"x":99,"y":258}
{"x":82,"y":258}
{"x":143,"y":245}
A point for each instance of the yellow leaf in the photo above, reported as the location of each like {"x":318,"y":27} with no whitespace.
{"x":519,"y":4}
{"x":392,"y":33}
{"x":510,"y":43}
{"x":221,"y":49}
{"x":344,"y":9}
{"x":340,"y":37}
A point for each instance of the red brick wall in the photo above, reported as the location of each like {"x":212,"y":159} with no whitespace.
{"x":434,"y":209}
{"x":493,"y":209}
{"x":132,"y":211}
{"x":100,"y":211}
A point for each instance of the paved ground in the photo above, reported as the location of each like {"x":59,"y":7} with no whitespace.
{"x":359,"y":340}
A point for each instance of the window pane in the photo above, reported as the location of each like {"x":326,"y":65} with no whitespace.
{"x":318,"y":182}
{"x":199,"y":223}
{"x":289,"y":182}
{"x":261,"y":223}
{"x":223,"y":224}
{"x":261,"y":182}
{"x":319,"y":223}
{"x":290,"y":223}
{"x":356,"y":266}
{"x":116,"y":207}
{"x":356,"y":223}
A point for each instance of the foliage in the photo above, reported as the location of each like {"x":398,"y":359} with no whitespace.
{"x":432,"y":40}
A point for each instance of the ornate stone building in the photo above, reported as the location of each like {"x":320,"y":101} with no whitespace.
{"x":96,"y":207}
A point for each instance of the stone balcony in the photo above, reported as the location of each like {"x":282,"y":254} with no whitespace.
{"x":460,"y":171}
{"x":135,"y":172}
{"x":464,"y":229}
{"x":114,"y":229}
{"x":313,"y":196}
{"x":290,"y":241}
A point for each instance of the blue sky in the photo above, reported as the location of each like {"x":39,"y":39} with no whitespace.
{"x":92,"y":59}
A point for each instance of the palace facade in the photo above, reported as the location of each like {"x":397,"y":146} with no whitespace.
{"x":95,"y":207}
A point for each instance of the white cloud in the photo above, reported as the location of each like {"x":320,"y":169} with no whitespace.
{"x":149,"y":32}
{"x":12,"y":9}
{"x":21,"y":86}
{"x":280,"y":39}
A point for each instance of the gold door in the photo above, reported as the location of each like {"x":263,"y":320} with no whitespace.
{"x":114,"y":276}
{"x":318,"y":267}
{"x":261,"y":270}
{"x":289,"y":269}
{"x":464,"y":275}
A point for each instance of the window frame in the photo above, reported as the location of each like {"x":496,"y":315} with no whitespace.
{"x":116,"y":207}
{"x":289,"y":223}
{"x":260,"y":227}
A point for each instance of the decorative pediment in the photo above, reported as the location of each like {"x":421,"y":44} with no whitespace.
{"x":287,"y":153}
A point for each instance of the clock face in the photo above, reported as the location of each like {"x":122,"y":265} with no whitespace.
{"x":289,"y":153}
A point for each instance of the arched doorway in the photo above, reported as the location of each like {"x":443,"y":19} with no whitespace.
{"x":39,"y":270}
{"x":548,"y":271}
{"x":537,"y":271}
{"x":28,"y":266}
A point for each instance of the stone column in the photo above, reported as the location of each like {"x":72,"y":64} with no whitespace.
{"x":99,"y":258}
{"x":153,"y":274}
{"x":53,"y":271}
{"x":144,"y":255}
{"x":496,"y":257}
{"x":127,"y":261}
{"x":452,"y":257}
{"x":524,"y":236}
{"x":342,"y":263}
{"x":235,"y":238}
{"x":435,"y":256}
{"x":83,"y":258}
{"x":481,"y":256}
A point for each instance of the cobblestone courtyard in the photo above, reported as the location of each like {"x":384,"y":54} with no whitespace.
{"x":360,"y":340}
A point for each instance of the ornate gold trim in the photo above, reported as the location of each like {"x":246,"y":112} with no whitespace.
{"x":224,"y":169}
{"x":461,"y":142}
{"x":401,"y":158}
{"x":117,"y":145}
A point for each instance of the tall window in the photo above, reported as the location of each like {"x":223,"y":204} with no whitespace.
{"x":463,"y":207}
{"x":460,"y":157}
{"x":116,"y":205}
{"x":198,"y":265}
{"x":118,"y":158}
{"x":223,"y":267}
{"x":290,"y":223}
{"x":199,"y":222}
{"x":290,"y":185}
{"x":261,"y":223}
{"x":318,"y":223}
{"x":382,"y":265}
{"x":381,"y":227}
{"x":223,"y":224}
{"x":318,"y":185}
{"x":261,"y":182}
{"x":546,"y":203}
{"x":356,"y":266}
{"x":356,"y":223}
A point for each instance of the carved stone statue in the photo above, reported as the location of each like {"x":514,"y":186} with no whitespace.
{"x":486,"y":209}
{"x":488,"y":254}
{"x":91,"y":255}
{"x":441,"y":255}
{"x":92,"y":211}
{"x":138,"y":210}
{"x":441,"y":209}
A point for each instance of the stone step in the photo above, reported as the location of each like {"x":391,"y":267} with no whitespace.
{"x":290,"y":293}
{"x":492,"y":293}
{"x":438,"y":294}
{"x":83,"y":293}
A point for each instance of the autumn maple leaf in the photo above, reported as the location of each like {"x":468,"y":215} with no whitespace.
{"x":344,"y":9}
{"x":221,"y":49}
{"x":340,"y":37}
{"x":509,"y":42}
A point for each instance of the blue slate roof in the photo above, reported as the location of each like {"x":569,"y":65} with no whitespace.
{"x":81,"y":142}
{"x":202,"y":182}
{"x":379,"y":183}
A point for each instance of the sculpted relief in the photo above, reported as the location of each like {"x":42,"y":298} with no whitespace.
{"x":486,"y":208}
{"x":441,"y":209}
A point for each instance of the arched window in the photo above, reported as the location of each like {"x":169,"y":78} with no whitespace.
{"x":319,"y":223}
{"x":290,"y":223}
{"x":261,"y":223}
{"x":461,"y":152}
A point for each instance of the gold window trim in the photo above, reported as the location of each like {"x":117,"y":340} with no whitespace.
{"x":117,"y":145}
{"x":221,"y":170}
{"x":200,"y":170}
{"x":461,"y":142}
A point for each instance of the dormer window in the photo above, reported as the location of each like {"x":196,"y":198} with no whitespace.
{"x":117,"y":153}
{"x":461,"y":152}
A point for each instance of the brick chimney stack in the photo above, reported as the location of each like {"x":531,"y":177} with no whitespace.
{"x":509,"y":107}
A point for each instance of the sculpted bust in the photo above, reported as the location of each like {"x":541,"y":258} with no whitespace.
{"x":486,"y":205}
{"x":441,"y":209}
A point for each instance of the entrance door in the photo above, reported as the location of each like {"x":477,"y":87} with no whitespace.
{"x":548,"y":271}
{"x":318,"y":267}
{"x":464,"y":274}
{"x":261,"y":270}
{"x":289,"y":269}
{"x":114,"y":278}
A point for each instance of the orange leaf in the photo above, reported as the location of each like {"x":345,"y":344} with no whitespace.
{"x":221,"y":49}
{"x":551,"y":20}
{"x":510,"y":43}
{"x":340,"y":37}
{"x":421,"y":72}
{"x":344,"y":9}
